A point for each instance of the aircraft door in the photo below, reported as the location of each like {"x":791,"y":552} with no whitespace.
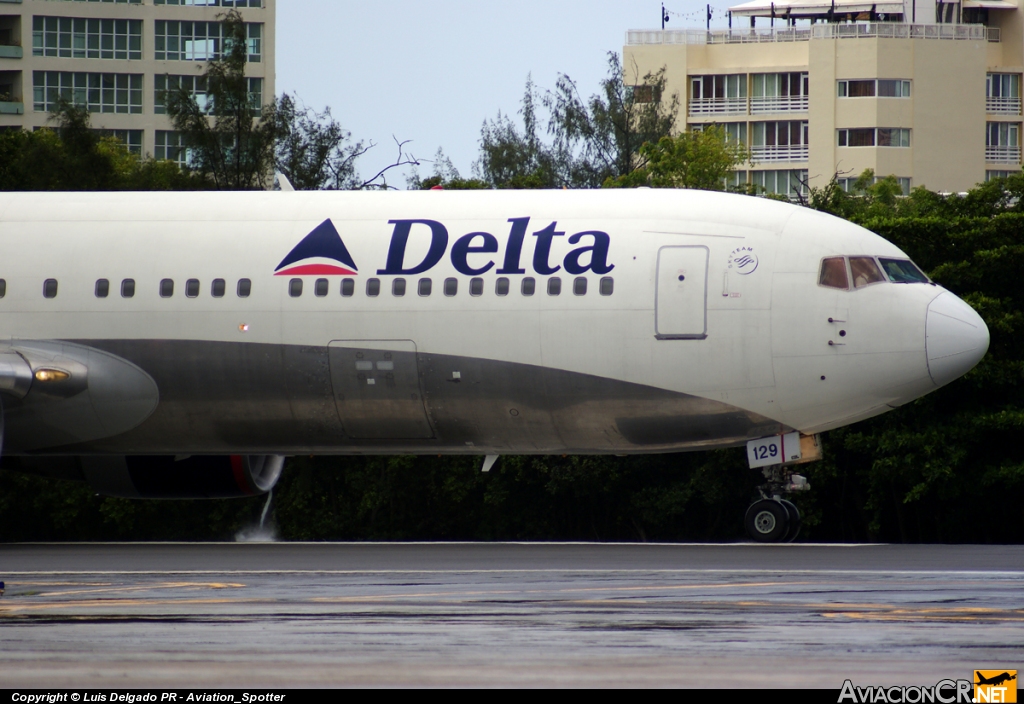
{"x":681,"y":299}
{"x":377,"y":389}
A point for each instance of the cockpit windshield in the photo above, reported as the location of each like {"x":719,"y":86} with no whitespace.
{"x":902,"y":271}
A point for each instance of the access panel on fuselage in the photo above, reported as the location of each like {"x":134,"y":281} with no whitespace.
{"x":682,"y":293}
{"x":377,"y":389}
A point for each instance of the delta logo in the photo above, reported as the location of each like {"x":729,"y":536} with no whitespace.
{"x":320,"y":253}
{"x":995,"y":686}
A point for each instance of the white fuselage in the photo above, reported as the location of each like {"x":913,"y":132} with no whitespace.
{"x":715,"y":313}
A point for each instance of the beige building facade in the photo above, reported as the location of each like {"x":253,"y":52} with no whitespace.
{"x":927,"y":92}
{"x":116,"y":56}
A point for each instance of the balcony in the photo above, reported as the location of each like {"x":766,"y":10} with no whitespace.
{"x":718,"y":106}
{"x":770,"y":35}
{"x":770,"y":153}
{"x":1002,"y":106}
{"x":10,"y":52}
{"x":12,"y":108}
{"x":795,"y":103}
{"x":1002,"y":155}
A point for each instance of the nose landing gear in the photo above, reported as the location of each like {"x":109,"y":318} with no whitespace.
{"x":773,"y":519}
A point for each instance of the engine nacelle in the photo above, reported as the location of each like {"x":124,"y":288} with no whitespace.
{"x":195,"y":477}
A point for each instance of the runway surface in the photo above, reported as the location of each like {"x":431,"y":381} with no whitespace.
{"x":275,"y":615}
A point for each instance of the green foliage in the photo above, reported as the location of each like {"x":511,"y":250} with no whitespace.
{"x":591,"y":140}
{"x":72,"y":157}
{"x":231,"y":139}
{"x":699,"y":159}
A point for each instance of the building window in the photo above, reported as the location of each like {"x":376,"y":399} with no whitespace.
{"x":119,"y":2}
{"x":779,"y":92}
{"x":850,"y":184}
{"x":643,"y":94}
{"x":206,"y":3}
{"x":990,"y":175}
{"x":1002,"y":142}
{"x":873,"y":137}
{"x":196,"y":87}
{"x":710,"y":95}
{"x":98,"y":92}
{"x":200,"y":41}
{"x":171,"y":146}
{"x":785,"y":182}
{"x":779,"y":141}
{"x":131,"y":139}
{"x":1002,"y":93}
{"x":79,"y":38}
{"x":873,"y":88}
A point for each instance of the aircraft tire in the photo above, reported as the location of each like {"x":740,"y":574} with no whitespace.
{"x":767,"y":521}
{"x":794,"y":520}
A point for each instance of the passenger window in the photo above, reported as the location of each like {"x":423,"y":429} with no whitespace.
{"x":3,"y":287}
{"x":50,"y":288}
{"x":451,"y":287}
{"x":128,"y":288}
{"x":501,"y":286}
{"x":607,"y":286}
{"x":166,"y":288}
{"x":865,"y":271}
{"x":373,"y":287}
{"x":348,"y":287}
{"x":425,"y":286}
{"x":476,"y":286}
{"x":217,"y":288}
{"x":102,"y":288}
{"x":554,"y":286}
{"x":579,"y":286}
{"x":295,"y":288}
{"x":398,"y":287}
{"x":833,"y":273}
{"x":244,"y":288}
{"x":529,"y":286}
{"x":321,"y":288}
{"x":192,"y":288}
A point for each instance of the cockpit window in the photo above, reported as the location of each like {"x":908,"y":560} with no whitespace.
{"x":833,"y":273}
{"x":865,"y":271}
{"x":902,"y":271}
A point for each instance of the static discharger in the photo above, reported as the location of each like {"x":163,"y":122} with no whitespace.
{"x":51,"y":375}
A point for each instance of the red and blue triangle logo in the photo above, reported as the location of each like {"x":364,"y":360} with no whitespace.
{"x":308,"y":256}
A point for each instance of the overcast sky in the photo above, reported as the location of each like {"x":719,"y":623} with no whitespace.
{"x":431,"y":72}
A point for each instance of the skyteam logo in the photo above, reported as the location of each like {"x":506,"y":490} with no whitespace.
{"x":318,"y":254}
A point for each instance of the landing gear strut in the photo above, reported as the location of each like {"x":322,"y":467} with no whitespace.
{"x":773,"y":519}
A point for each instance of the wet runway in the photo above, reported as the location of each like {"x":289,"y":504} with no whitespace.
{"x":274,"y":615}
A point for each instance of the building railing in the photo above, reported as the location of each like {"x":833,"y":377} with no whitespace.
{"x":1002,"y":154}
{"x":718,"y":106}
{"x":865,"y":30}
{"x":792,"y":103}
{"x":1002,"y":106}
{"x":792,"y":152}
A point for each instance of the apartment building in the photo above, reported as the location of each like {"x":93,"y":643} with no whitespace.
{"x":117,"y":56}
{"x":929,"y":92}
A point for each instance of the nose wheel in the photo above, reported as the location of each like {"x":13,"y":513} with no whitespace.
{"x":773,"y":519}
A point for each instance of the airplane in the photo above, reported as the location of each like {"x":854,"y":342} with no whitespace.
{"x":996,"y":680}
{"x":162,"y":345}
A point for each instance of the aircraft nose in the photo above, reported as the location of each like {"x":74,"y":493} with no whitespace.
{"x":956,"y":338}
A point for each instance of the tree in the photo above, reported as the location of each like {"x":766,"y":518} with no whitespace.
{"x":591,"y":140}
{"x":700,"y":159}
{"x":231,"y":139}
